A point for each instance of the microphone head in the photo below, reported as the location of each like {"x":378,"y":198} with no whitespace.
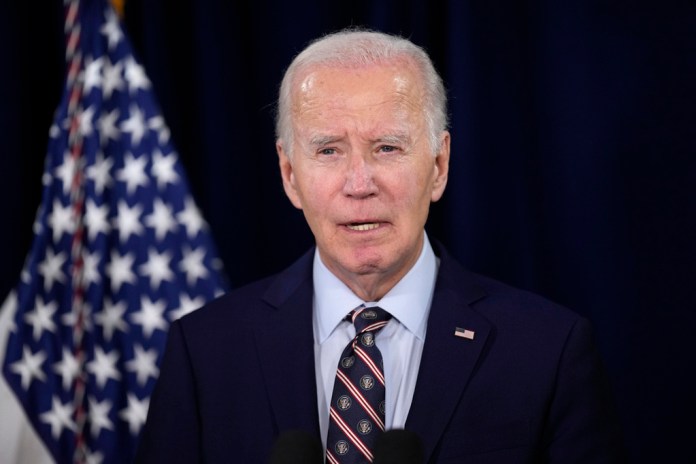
{"x":398,"y":447}
{"x":297,"y":447}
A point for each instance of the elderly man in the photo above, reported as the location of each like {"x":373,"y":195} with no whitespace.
{"x":376,"y":328}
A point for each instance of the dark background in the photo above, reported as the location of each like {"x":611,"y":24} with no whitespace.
{"x":573,"y":160}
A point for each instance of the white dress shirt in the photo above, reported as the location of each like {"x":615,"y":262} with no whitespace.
{"x":400,"y":341}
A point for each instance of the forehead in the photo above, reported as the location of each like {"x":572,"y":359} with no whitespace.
{"x":326,"y":93}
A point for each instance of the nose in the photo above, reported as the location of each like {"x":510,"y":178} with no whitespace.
{"x":360,"y":180}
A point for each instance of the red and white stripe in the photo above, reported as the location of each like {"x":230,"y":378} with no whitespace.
{"x":357,"y":394}
{"x":331,"y":458}
{"x":350,"y":434}
{"x":356,"y":313}
{"x":74,"y":58}
{"x":379,"y":375}
{"x":374,"y":326}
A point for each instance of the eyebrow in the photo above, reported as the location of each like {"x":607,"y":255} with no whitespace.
{"x":400,"y":138}
{"x":321,"y":140}
{"x":396,"y":138}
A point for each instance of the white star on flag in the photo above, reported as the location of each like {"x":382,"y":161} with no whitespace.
{"x":103,"y":366}
{"x":157,"y":267}
{"x":52,"y":268}
{"x":163,"y":169}
{"x":186,"y":305}
{"x":133,"y":173}
{"x":157,"y":124}
{"x":135,"y":76}
{"x":99,"y":172}
{"x":161,"y":219}
{"x":111,"y":318}
{"x":96,"y":219}
{"x":41,"y":317}
{"x":143,"y":364}
{"x":93,"y":71}
{"x":29,"y":367}
{"x":136,"y":413}
{"x":66,"y":172}
{"x":68,"y":368}
{"x":59,"y":417}
{"x":113,"y":80}
{"x":127,"y":220}
{"x":86,"y":123}
{"x":91,"y":274}
{"x":112,"y":30}
{"x":191,"y":218}
{"x":135,"y":125}
{"x":120,"y":270}
{"x":192,"y":265}
{"x":107,"y":126}
{"x":99,"y":416}
{"x":150,"y":316}
{"x":61,"y":220}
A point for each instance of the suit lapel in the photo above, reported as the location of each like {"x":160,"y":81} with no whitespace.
{"x":448,"y":361}
{"x":285,"y":345}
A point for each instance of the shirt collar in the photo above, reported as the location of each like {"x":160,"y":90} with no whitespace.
{"x":408,"y":301}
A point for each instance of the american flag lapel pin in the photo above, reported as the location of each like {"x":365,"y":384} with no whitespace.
{"x":464,"y":333}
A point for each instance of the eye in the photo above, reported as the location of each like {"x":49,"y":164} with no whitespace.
{"x":327,"y":151}
{"x":387,"y":148}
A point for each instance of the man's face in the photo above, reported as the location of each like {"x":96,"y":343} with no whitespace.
{"x":362,"y":170}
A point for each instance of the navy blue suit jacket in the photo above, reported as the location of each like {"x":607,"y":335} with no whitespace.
{"x":529,"y":387}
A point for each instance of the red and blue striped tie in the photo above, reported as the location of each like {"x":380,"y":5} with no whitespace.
{"x":357,"y":405}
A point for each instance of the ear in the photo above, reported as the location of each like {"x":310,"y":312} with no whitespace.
{"x":288,"y":175}
{"x":441,"y":168}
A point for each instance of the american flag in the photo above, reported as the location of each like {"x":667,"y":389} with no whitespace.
{"x":120,"y":250}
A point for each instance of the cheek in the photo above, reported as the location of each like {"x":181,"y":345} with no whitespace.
{"x":413,"y":188}
{"x":314,"y":192}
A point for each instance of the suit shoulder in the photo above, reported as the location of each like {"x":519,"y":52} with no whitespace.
{"x":518,"y":306}
{"x":238,"y":303}
{"x":244,"y":303}
{"x":501,"y":302}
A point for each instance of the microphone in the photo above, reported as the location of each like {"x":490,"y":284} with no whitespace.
{"x":398,"y":446}
{"x":297,"y":447}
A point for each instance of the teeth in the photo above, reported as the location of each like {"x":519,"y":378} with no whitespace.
{"x":363,"y":227}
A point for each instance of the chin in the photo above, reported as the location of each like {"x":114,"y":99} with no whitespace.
{"x":365,"y":260}
{"x":364,"y":269}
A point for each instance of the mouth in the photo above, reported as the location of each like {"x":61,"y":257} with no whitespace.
{"x":363,"y":226}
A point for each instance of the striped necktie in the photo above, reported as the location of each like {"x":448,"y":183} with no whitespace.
{"x":357,"y":404}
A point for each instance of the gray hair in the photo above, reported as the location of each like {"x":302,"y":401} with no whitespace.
{"x":358,"y":47}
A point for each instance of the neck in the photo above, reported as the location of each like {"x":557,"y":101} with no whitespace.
{"x":371,"y":287}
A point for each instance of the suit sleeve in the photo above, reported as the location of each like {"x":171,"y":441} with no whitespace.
{"x":171,"y":432}
{"x":582,"y":426}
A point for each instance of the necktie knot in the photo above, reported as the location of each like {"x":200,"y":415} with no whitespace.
{"x":369,"y":319}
